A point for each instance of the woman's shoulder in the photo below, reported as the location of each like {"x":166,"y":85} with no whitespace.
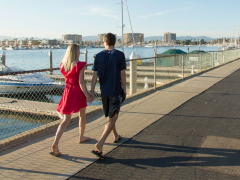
{"x":80,"y":65}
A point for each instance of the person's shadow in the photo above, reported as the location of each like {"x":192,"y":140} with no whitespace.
{"x":139,"y":154}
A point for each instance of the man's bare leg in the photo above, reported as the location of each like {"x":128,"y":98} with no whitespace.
{"x":115,"y":134}
{"x":108,"y":128}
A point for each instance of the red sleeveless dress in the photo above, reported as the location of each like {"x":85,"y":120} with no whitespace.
{"x":73,"y":98}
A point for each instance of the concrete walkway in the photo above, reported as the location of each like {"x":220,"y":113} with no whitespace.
{"x":198,"y":140}
{"x":30,"y":160}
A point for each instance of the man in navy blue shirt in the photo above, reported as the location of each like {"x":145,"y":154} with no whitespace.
{"x":109,"y":66}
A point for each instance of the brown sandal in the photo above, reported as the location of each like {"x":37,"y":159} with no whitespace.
{"x":56,"y":154}
{"x":119,"y":138}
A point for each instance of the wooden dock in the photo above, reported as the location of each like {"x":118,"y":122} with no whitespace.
{"x":33,"y":107}
{"x":140,"y":80}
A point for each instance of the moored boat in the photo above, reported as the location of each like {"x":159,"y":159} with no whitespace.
{"x":2,"y":48}
{"x":25,"y":83}
{"x":10,"y":48}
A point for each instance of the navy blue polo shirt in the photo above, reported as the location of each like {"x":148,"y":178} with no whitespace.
{"x":108,"y":64}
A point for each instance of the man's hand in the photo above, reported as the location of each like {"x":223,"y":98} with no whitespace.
{"x":91,"y":94}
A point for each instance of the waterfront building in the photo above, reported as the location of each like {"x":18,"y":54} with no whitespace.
{"x":68,"y":42}
{"x":22,"y":42}
{"x":44,"y":41}
{"x":100,"y":37}
{"x":32,"y":42}
{"x":72,"y":38}
{"x":10,"y":43}
{"x":169,"y":37}
{"x":3,"y":42}
{"x":128,"y":38}
{"x":53,"y":42}
{"x":49,"y":42}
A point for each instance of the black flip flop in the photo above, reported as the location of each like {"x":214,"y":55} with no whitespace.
{"x":119,"y":138}
{"x":98,"y":154}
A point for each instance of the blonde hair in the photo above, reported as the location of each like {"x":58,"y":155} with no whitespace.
{"x":71,"y":57}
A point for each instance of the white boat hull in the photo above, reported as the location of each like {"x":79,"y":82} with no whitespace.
{"x":25,"y":83}
{"x":10,"y":88}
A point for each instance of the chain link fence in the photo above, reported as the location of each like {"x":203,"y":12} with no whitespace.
{"x":28,"y":99}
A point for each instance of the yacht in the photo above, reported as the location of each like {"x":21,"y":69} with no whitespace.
{"x":35,"y":47}
{"x":150,"y":45}
{"x":2,"y":48}
{"x":130,"y":46}
{"x":21,"y":48}
{"x":24,"y":83}
{"x":10,"y":48}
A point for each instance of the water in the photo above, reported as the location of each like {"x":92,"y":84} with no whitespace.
{"x":39,"y":59}
{"x":11,"y":125}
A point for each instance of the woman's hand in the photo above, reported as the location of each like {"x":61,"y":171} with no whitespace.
{"x":89,"y":98}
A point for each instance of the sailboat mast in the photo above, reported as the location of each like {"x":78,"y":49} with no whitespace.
{"x":122,"y":24}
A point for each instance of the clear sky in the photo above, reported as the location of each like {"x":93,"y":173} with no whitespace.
{"x":52,"y":18}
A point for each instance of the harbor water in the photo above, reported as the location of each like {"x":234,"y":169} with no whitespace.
{"x":39,"y":59}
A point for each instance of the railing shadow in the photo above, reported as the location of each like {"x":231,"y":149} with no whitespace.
{"x":188,"y":156}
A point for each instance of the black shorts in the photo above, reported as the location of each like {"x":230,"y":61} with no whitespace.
{"x":111,"y":105}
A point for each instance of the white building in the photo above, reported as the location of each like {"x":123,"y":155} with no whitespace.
{"x":169,"y":37}
{"x":72,"y":38}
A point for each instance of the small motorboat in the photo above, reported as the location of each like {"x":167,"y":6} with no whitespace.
{"x":10,"y":48}
{"x":2,"y":48}
{"x":25,"y":83}
{"x":150,"y":45}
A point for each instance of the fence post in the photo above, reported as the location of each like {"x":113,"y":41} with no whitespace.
{"x":228,"y":56}
{"x":182,"y":68}
{"x":155,"y":53}
{"x":212,"y":58}
{"x":50,"y":60}
{"x":133,"y":74}
{"x":3,"y":58}
{"x":200,"y":68}
{"x":223,"y":58}
{"x":85,"y":53}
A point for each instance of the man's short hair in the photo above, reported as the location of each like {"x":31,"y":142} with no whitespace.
{"x":110,"y":39}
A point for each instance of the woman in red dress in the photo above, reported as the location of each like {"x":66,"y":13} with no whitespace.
{"x":75,"y":95}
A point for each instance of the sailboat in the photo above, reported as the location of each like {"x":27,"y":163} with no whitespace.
{"x":231,"y":45}
{"x":134,"y":44}
{"x":150,"y":45}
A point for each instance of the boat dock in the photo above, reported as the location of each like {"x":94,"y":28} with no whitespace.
{"x":163,"y":75}
{"x":33,"y":107}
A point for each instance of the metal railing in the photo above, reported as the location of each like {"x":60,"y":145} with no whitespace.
{"x":28,"y":99}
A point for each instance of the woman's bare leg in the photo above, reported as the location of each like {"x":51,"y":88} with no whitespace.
{"x":61,"y":128}
{"x":82,"y":125}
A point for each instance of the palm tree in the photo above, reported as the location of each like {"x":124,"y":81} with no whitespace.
{"x":119,"y":41}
